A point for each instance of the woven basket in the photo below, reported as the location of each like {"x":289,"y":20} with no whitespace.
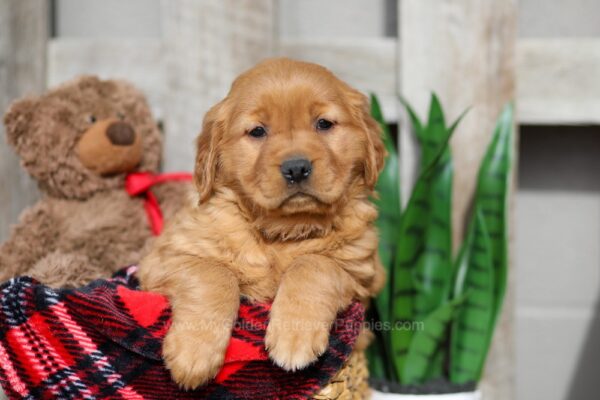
{"x":351,"y":381}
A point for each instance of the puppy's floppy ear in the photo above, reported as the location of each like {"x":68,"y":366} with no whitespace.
{"x":208,"y":147}
{"x":374,"y":161}
{"x":17,"y":120}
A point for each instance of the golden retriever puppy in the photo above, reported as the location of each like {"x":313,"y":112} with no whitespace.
{"x":285,"y":167}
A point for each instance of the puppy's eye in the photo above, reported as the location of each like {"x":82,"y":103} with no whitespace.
{"x":258,"y":132}
{"x":121,"y":116}
{"x":324,"y":124}
{"x":91,"y":118}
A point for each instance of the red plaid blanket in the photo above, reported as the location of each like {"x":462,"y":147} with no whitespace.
{"x":103,"y":341}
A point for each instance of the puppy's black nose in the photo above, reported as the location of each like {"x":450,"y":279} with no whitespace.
{"x":296,"y":170}
{"x":120,"y":134}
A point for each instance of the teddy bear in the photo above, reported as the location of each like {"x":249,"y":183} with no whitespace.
{"x":81,"y":142}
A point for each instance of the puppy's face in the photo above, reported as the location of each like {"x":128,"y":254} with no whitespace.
{"x":290,"y":139}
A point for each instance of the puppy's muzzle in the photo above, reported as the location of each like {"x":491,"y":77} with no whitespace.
{"x":296,"y":170}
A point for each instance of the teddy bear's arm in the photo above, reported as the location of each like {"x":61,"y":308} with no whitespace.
{"x":31,"y":239}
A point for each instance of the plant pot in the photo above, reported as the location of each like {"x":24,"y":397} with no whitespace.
{"x":377,"y":395}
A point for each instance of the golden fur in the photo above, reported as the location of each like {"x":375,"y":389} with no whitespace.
{"x":311,"y":247}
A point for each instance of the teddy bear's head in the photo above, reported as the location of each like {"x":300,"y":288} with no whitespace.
{"x":84,"y":136}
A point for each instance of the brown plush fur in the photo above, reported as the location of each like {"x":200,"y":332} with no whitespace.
{"x":311,"y":247}
{"x":85,"y":226}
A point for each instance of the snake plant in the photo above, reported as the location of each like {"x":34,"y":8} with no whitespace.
{"x":441,"y":309}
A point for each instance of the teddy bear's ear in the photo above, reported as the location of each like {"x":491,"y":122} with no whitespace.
{"x":17,"y":119}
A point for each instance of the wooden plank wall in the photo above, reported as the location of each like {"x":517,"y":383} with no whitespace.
{"x":559,"y":81}
{"x":207,"y":44}
{"x":138,"y":60}
{"x":23,"y":37}
{"x":204,"y":45}
{"x":466,"y":54}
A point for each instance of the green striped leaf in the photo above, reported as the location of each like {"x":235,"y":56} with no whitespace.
{"x":427,"y":343}
{"x":433,"y":136}
{"x":417,"y":126}
{"x":433,"y":272}
{"x":471,"y":327}
{"x":433,"y":269}
{"x":470,"y":338}
{"x":423,"y":268}
{"x":410,"y":249}
{"x":435,"y":133}
{"x":491,"y":197}
{"x":388,"y":205}
{"x":376,"y":357}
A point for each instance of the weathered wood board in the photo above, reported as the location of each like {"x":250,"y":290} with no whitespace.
{"x":207,"y":44}
{"x":138,"y":60}
{"x":559,"y":81}
{"x":23,"y":36}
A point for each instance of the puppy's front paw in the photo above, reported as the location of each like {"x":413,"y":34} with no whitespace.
{"x":193,"y":358}
{"x":294,"y":344}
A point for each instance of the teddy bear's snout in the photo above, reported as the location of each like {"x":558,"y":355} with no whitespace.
{"x":120,"y":134}
{"x":109,"y":147}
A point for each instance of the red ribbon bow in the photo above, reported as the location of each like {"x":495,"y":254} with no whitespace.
{"x":140,"y":183}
